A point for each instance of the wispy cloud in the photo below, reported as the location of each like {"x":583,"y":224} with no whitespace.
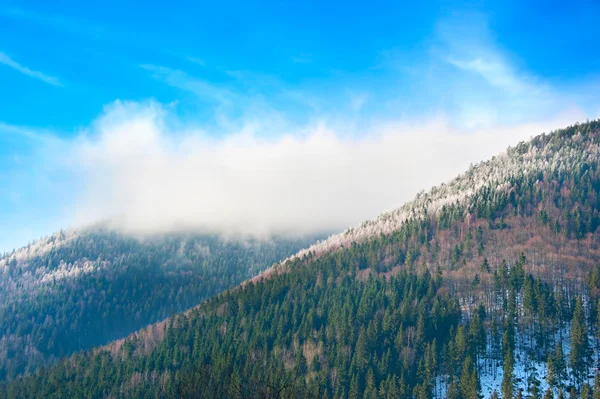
{"x":183,"y":81}
{"x":243,"y":99}
{"x":477,"y":81}
{"x":497,"y":74}
{"x":196,"y":61}
{"x":6,"y":60}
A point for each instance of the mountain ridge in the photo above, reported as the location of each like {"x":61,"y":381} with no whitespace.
{"x":496,"y":171}
{"x":448,"y":304}
{"x":66,"y":292}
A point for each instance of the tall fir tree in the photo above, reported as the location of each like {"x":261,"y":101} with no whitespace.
{"x":580,"y":355}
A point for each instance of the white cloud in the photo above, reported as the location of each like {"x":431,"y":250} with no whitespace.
{"x":498,"y":74}
{"x":275,"y":156}
{"x":6,"y":60}
{"x":146,"y":177}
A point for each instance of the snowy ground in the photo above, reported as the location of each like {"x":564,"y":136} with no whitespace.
{"x":491,"y":378}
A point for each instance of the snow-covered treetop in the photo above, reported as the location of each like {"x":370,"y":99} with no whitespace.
{"x":562,"y":150}
{"x":38,"y":248}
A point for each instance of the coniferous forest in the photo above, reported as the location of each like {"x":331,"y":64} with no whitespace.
{"x":76,"y":290}
{"x":486,"y":286}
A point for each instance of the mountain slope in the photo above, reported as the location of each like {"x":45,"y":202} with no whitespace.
{"x":485,"y":185}
{"x":474,"y":286}
{"x":79,"y":289}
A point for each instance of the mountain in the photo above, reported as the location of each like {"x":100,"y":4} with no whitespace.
{"x":487,"y":285}
{"x":79,"y":289}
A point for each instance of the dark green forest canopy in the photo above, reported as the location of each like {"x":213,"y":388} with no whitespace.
{"x":85,"y":289}
{"x":503,"y":275}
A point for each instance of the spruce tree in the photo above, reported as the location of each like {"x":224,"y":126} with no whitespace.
{"x":469,"y":381}
{"x":551,"y":372}
{"x":533,"y":385}
{"x":573,"y":393}
{"x":560,"y":366}
{"x":580,"y":356}
{"x":353,"y":393}
{"x":507,"y":375}
{"x":508,"y":366}
{"x":453,"y":392}
{"x":596,"y":390}
{"x":586,"y":391}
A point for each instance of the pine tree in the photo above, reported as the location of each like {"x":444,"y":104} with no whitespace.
{"x":469,"y":381}
{"x":586,"y":391}
{"x":507,"y":376}
{"x":453,"y":392}
{"x":370,"y":388}
{"x":508,"y":366}
{"x":573,"y":393}
{"x":485,"y":266}
{"x":533,"y":385}
{"x":560,"y":366}
{"x":580,"y":356}
{"x":423,"y":391}
{"x":597,"y":327}
{"x":551,"y":373}
{"x":353,"y":393}
{"x":392,"y":389}
{"x":596,"y":391}
{"x":549,"y":394}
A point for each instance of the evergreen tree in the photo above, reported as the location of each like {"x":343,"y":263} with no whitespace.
{"x":560,"y":366}
{"x":353,"y":393}
{"x":551,"y":372}
{"x":586,"y":391}
{"x":423,"y":391}
{"x":508,"y":382}
{"x":470,"y":387}
{"x":596,"y":389}
{"x":580,"y":355}
{"x":453,"y":391}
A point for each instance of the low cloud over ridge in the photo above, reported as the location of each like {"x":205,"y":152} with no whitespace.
{"x":147,"y":174}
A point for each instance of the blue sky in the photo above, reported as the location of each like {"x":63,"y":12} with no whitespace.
{"x":270,"y":70}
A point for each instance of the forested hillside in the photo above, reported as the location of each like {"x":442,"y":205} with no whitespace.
{"x":486,"y":286}
{"x":76,"y":290}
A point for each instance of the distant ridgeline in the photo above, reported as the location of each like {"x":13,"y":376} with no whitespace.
{"x":76,"y":290}
{"x":486,"y":286}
